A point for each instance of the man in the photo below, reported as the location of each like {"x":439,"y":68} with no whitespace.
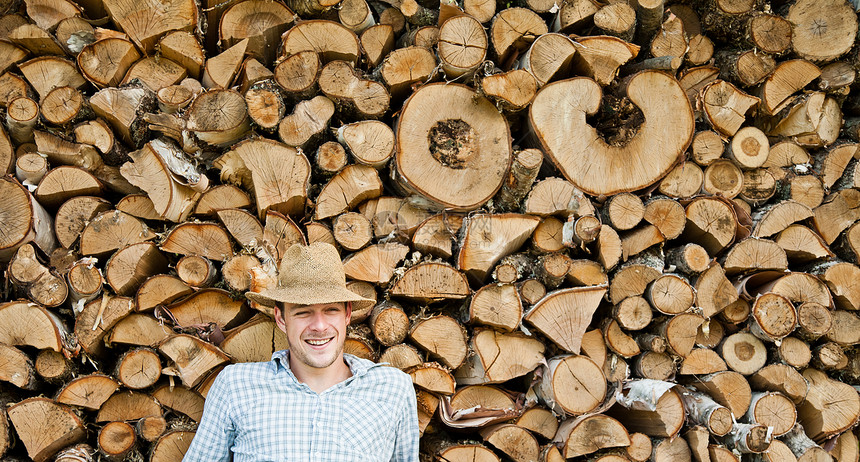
{"x":311,"y":402}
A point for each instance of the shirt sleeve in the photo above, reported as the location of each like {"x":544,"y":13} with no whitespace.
{"x":406,"y":434}
{"x":216,"y":431}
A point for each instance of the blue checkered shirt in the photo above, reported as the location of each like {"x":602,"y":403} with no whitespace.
{"x":261,"y":412}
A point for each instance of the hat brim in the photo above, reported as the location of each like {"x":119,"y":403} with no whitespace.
{"x":304,"y":297}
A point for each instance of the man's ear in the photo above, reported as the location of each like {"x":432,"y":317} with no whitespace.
{"x":279,"y":317}
{"x":348,"y":312}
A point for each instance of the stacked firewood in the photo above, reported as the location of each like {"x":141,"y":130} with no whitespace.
{"x":618,"y":231}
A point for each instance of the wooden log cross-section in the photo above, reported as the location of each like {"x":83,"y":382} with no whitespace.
{"x":600,"y":231}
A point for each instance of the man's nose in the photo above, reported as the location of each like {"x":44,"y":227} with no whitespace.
{"x":318,"y":321}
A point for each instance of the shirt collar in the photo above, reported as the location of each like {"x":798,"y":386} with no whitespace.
{"x":357,"y":366}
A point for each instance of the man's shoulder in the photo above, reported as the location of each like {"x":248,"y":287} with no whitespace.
{"x":247,"y":372}
{"x":384,"y":373}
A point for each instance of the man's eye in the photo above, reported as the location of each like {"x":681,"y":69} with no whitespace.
{"x":299,"y":314}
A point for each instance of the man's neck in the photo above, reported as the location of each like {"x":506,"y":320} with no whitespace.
{"x":320,"y":379}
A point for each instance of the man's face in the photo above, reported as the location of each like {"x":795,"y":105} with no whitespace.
{"x":316,"y":332}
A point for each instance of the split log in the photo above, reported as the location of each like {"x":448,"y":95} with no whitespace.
{"x":45,"y":427}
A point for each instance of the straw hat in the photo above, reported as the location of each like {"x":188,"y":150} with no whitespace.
{"x":308,"y":275}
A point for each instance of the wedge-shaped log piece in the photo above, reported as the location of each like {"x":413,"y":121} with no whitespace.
{"x":146,"y":21}
{"x":328,"y":38}
{"x":390,"y":215}
{"x":262,"y":22}
{"x":155,"y":73}
{"x":711,"y":223}
{"x":279,"y":175}
{"x":105,"y":62}
{"x":499,"y":357}
{"x":595,"y":166}
{"x":210,"y":306}
{"x":513,"y":29}
{"x":829,"y":408}
{"x":832,"y":164}
{"x":426,"y":333}
{"x":17,"y":368}
{"x":128,"y":405}
{"x":467,"y":452}
{"x":486,"y":238}
{"x":755,"y":254}
{"x":205,"y":239}
{"x":48,"y":72}
{"x":771,"y":220}
{"x":556,"y":196}
{"x":97,"y":318}
{"x":27,"y":324}
{"x":702,"y":361}
{"x":138,"y":329}
{"x":22,"y":220}
{"x":564,"y":315}
{"x":112,"y":230}
{"x":35,"y":39}
{"x":498,"y":306}
{"x":599,"y":57}
{"x":514,"y":441}
{"x":123,"y":108}
{"x":465,"y":147}
{"x":182,"y":47}
{"x":254,"y":340}
{"x":651,"y":407}
{"x":433,"y":377}
{"x":725,"y":106}
{"x":436,"y":234}
{"x":431,"y":282}
{"x":375,"y":263}
{"x":485,"y":397}
{"x":839,"y":211}
{"x":377,"y":41}
{"x":802,"y":245}
{"x":571,"y":385}
{"x":64,"y":182}
{"x":155,"y":168}
{"x":180,"y":399}
{"x":88,"y":391}
{"x":846,"y":328}
{"x":308,"y":122}
{"x":588,"y":434}
{"x":781,"y":378}
{"x":131,"y":265}
{"x":680,"y":332}
{"x":813,"y":119}
{"x":539,"y":421}
{"x":281,"y":233}
{"x":45,"y":427}
{"x":801,"y":287}
{"x":728,"y":388}
{"x":192,"y":357}
{"x":787,"y":79}
{"x":351,"y":186}
{"x":219,"y":197}
{"x":160,"y":289}
{"x":139,"y":206}
{"x":171,"y":446}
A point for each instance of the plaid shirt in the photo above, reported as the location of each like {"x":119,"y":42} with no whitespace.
{"x":261,"y":412}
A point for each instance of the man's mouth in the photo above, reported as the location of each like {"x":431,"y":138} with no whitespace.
{"x":318,"y":342}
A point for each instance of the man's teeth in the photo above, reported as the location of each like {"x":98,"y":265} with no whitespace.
{"x":318,"y":342}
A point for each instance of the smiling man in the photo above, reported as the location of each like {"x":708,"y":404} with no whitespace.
{"x":311,"y":402}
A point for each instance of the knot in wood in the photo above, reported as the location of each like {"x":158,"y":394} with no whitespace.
{"x":452,"y":143}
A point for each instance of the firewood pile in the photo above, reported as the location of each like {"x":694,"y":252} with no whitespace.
{"x":619,"y":231}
